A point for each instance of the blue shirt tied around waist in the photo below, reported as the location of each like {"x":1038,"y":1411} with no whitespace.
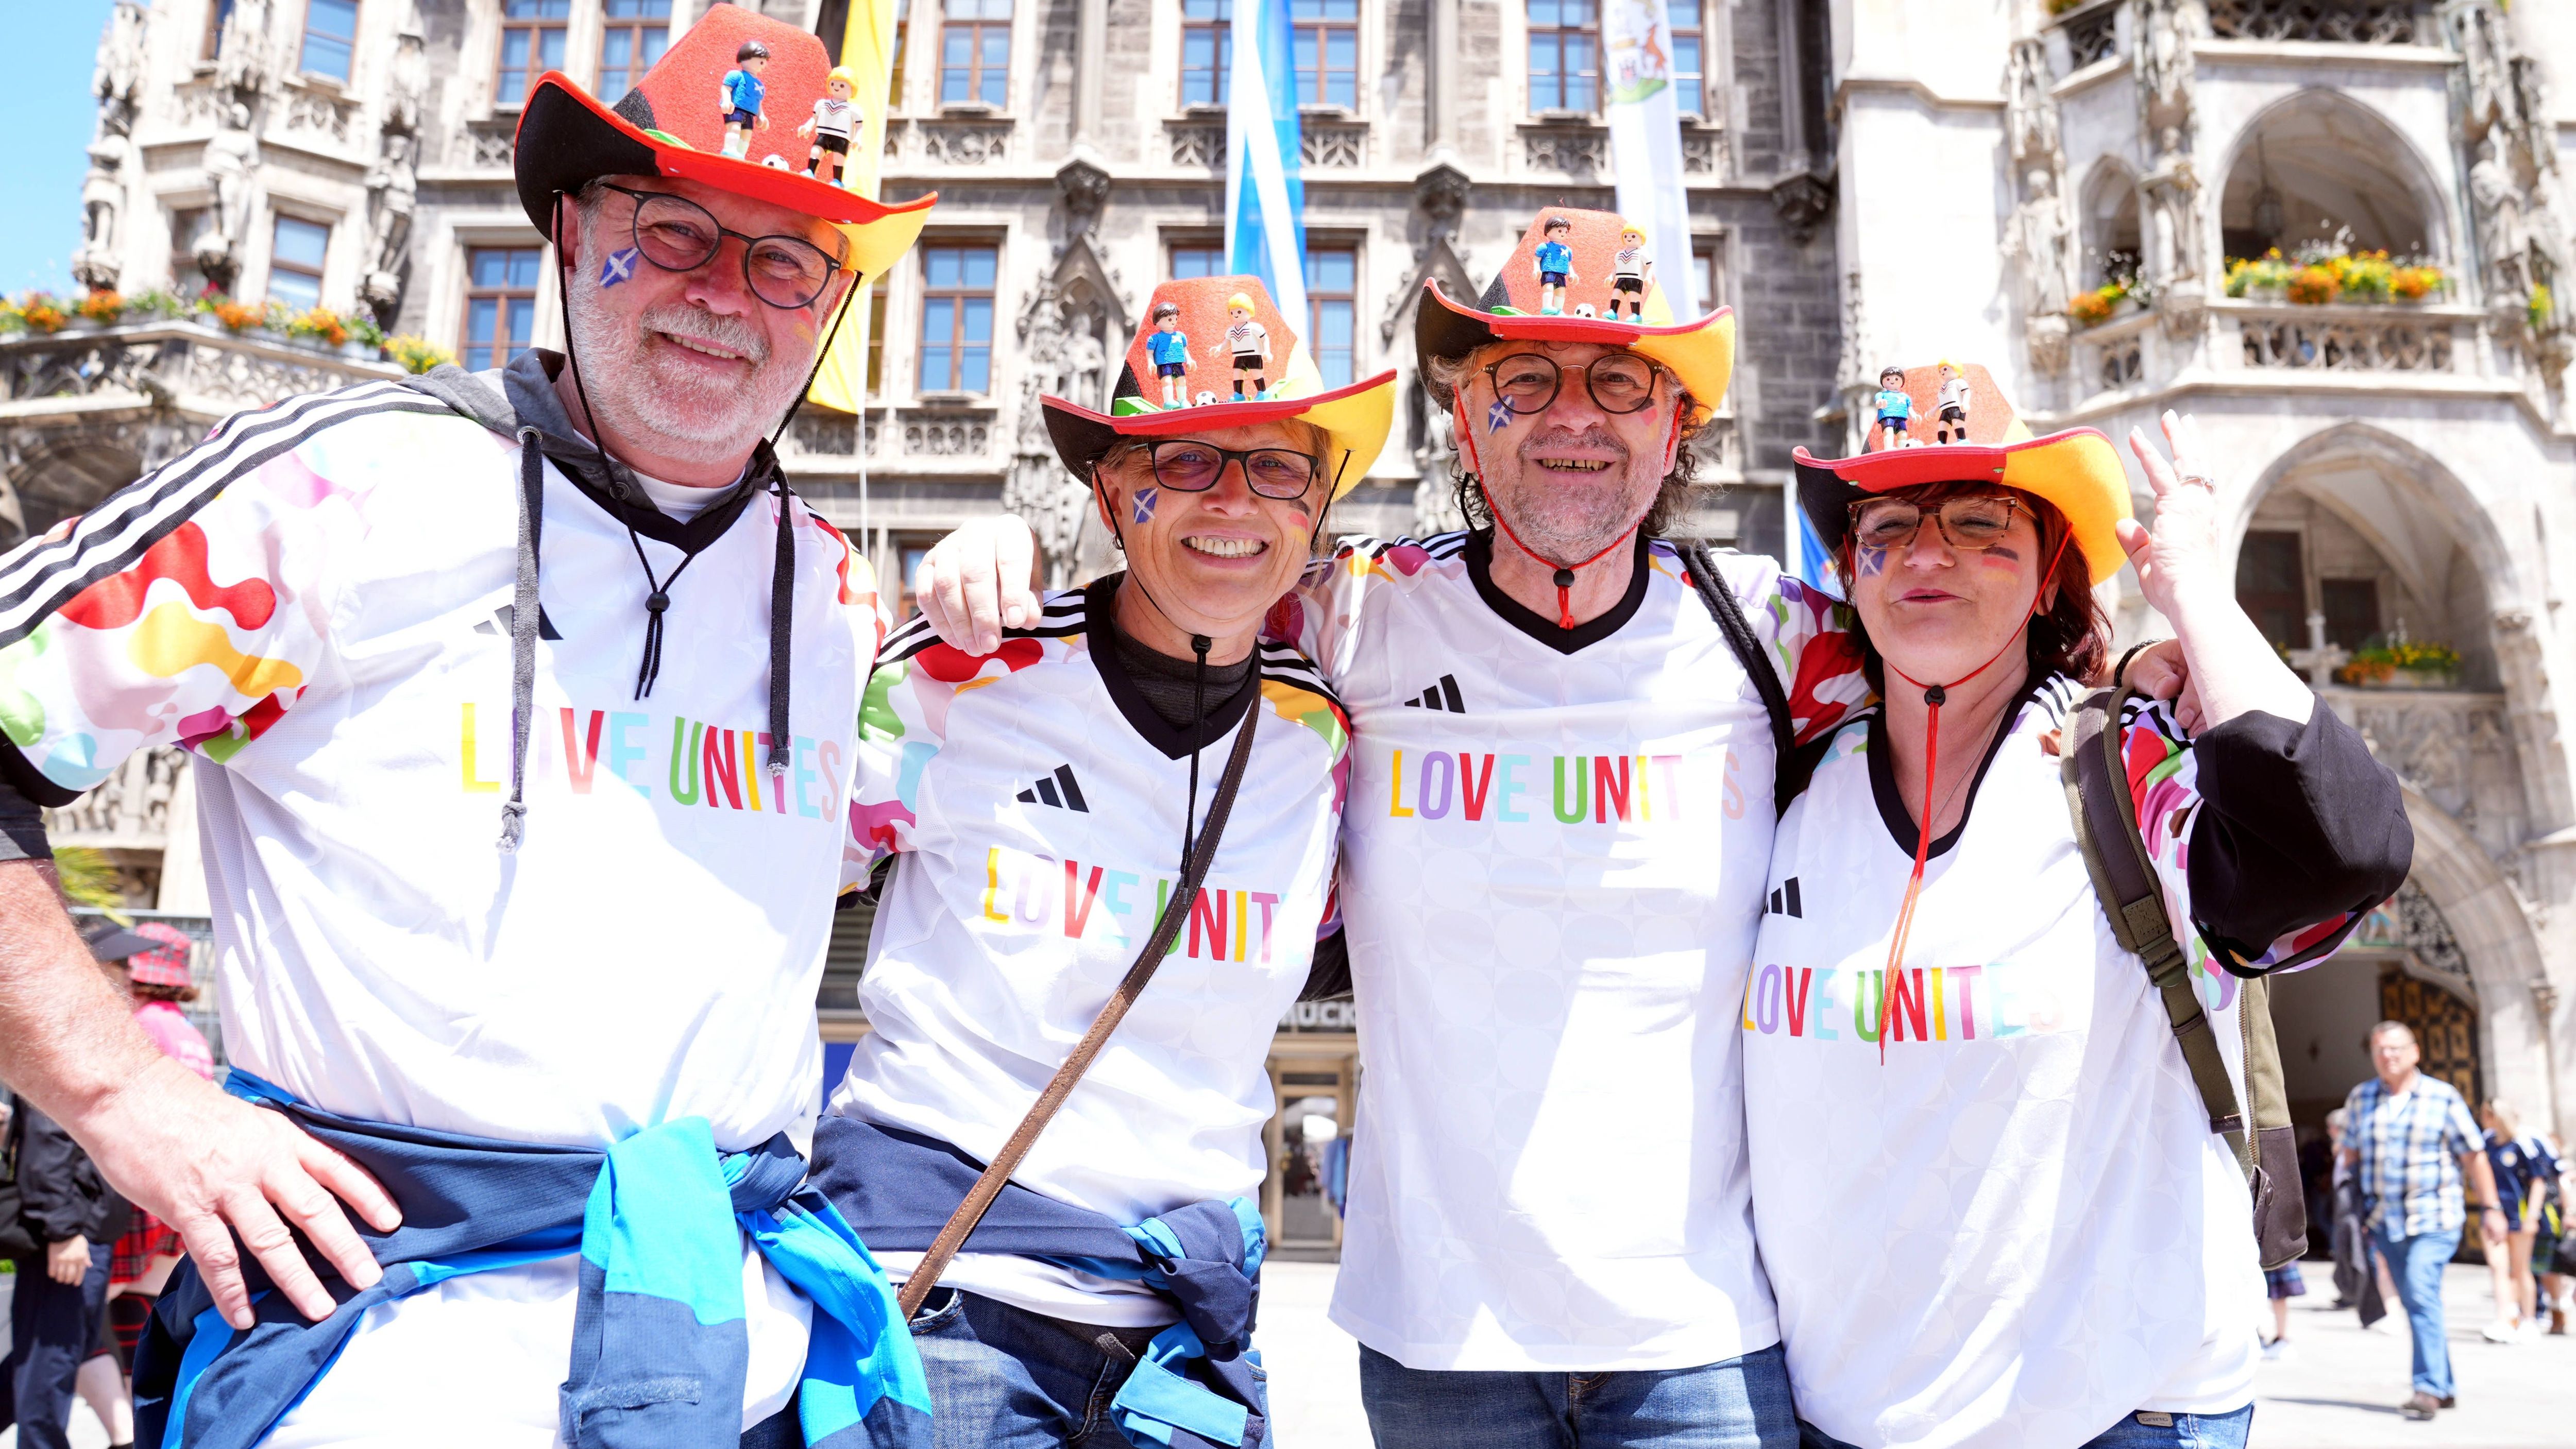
{"x":660,"y":1348}
{"x":1195,"y":1386}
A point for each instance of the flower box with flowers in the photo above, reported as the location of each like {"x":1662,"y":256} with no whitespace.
{"x":2402,"y":664}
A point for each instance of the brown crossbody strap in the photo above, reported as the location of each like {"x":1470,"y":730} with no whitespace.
{"x":952,"y":1235}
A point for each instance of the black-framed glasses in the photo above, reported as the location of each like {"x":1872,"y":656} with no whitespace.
{"x":1972,"y":523}
{"x":1620,"y":382}
{"x":1186,"y":465}
{"x":678,"y":235}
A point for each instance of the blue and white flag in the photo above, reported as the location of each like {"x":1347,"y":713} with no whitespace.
{"x":1265,"y":198}
{"x":1646,"y":143}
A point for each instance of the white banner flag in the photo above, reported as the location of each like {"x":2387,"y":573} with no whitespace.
{"x":1646,"y":143}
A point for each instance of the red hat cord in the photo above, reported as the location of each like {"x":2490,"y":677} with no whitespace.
{"x":1934,"y":696}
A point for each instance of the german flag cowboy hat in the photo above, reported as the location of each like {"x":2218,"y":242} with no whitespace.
{"x":1585,"y":276}
{"x":1213,"y":352}
{"x":2077,"y":471}
{"x":673,"y":124}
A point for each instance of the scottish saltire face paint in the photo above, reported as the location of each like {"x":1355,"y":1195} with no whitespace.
{"x":1499,"y":416}
{"x":619,"y":267}
{"x":1146,"y":499}
{"x":1870,"y":560}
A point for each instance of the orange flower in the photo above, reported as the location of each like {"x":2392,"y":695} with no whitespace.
{"x":2314,"y":286}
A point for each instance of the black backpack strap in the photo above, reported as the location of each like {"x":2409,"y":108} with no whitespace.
{"x":2124,"y":878}
{"x":1789,"y":769}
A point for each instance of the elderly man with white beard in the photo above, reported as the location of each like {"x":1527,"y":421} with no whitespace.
{"x":523,"y":706}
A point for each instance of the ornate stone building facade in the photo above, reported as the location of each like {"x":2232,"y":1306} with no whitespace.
{"x":2396,"y":469}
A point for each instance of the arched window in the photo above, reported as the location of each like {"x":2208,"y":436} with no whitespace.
{"x":2319,"y":169}
{"x":2113,"y":250}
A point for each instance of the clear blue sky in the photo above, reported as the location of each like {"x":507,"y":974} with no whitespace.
{"x":46,"y":113}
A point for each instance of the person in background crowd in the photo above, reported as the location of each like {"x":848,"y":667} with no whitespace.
{"x":2280,"y":1285}
{"x":74,"y":1217}
{"x":2524,"y":1170}
{"x":2036,"y":1291}
{"x":158,"y":980}
{"x":2413,"y":1144}
{"x":2552,"y":1250}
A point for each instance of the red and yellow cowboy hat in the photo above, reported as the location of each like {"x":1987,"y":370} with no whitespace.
{"x":2077,"y":471}
{"x":672,"y":124}
{"x":1602,"y":250}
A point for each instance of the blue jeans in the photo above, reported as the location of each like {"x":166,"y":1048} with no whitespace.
{"x":1741,"y":1403}
{"x":1007,"y":1378}
{"x":51,"y":1328}
{"x":2416,"y":1263}
{"x":2186,"y":1431}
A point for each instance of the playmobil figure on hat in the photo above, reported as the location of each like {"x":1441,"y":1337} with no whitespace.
{"x":695,"y":116}
{"x":2077,"y":471}
{"x":1214,"y":339}
{"x":1568,"y":281}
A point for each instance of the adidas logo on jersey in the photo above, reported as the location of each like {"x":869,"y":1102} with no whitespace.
{"x":499,"y":623}
{"x":1443,"y":695}
{"x":1784,"y":901}
{"x":1057,"y":789}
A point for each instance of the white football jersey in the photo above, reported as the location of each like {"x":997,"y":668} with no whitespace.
{"x":1555,"y":851}
{"x":1037,"y":802}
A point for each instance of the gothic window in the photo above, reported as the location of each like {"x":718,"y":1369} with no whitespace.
{"x":1197,"y":259}
{"x":1708,"y":275}
{"x":879,"y":296}
{"x":633,"y":39}
{"x":296,"y":250}
{"x":1564,"y":55}
{"x":1332,"y":311}
{"x":902,"y":51}
{"x":500,"y":304}
{"x":1689,"y":84}
{"x":330,"y":38}
{"x":1325,"y":37}
{"x":1207,"y":39}
{"x":532,"y":43}
{"x":975,"y":53}
{"x":957,"y":316}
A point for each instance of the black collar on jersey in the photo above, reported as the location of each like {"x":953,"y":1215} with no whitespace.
{"x":1480,"y":568}
{"x":1099,"y":603}
{"x":1901,"y":826}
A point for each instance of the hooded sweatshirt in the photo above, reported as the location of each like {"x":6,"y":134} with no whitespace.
{"x":318,"y":602}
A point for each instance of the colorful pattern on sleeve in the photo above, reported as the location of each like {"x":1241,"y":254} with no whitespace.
{"x":191,"y":607}
{"x":1810,"y":629}
{"x":2163,"y":787}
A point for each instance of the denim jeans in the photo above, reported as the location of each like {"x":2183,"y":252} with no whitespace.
{"x":51,"y":1328}
{"x":1741,"y":1403}
{"x":2184,"y":1431}
{"x":1010,"y":1379}
{"x":2416,"y":1263}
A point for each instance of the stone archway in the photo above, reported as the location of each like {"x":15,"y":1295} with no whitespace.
{"x":2499,"y":942}
{"x":2316,"y":162}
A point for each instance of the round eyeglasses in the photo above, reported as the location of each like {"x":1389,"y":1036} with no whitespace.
{"x":1972,"y":523}
{"x":1186,"y":465}
{"x":678,"y":235}
{"x":1619,"y":382}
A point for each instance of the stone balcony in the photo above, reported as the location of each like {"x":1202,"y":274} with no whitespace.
{"x":2387,"y":347}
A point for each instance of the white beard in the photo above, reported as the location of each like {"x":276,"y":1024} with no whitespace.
{"x":686,"y":415}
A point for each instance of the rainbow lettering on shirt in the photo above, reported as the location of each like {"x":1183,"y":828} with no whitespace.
{"x":1967,"y":1003}
{"x":1081,"y":900}
{"x":1490,"y":786}
{"x":672,"y":758}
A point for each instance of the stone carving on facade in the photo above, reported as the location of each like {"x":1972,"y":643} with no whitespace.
{"x":407,"y":82}
{"x":2172,"y":193}
{"x":2030,"y":111}
{"x":1320,"y":145}
{"x":232,"y":155}
{"x":1704,"y":152}
{"x":118,"y":80}
{"x":1082,"y":190}
{"x":1198,"y":145}
{"x":1579,"y":150}
{"x":2498,"y":201}
{"x":2423,"y":931}
{"x":242,"y":63}
{"x":2165,"y":30}
{"x":319,"y":115}
{"x":129,"y":810}
{"x":96,"y":264}
{"x":2039,"y":247}
{"x":392,"y":190}
{"x":1036,"y":487}
{"x":1803,"y":201}
{"x":965,"y":143}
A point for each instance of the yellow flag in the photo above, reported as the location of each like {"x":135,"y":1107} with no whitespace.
{"x":867,"y":48}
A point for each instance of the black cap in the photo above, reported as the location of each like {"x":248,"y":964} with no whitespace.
{"x":109,"y":941}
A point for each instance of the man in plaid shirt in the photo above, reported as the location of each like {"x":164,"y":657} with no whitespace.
{"x":2412,"y":1142}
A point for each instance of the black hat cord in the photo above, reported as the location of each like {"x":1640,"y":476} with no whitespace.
{"x":526,"y":611}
